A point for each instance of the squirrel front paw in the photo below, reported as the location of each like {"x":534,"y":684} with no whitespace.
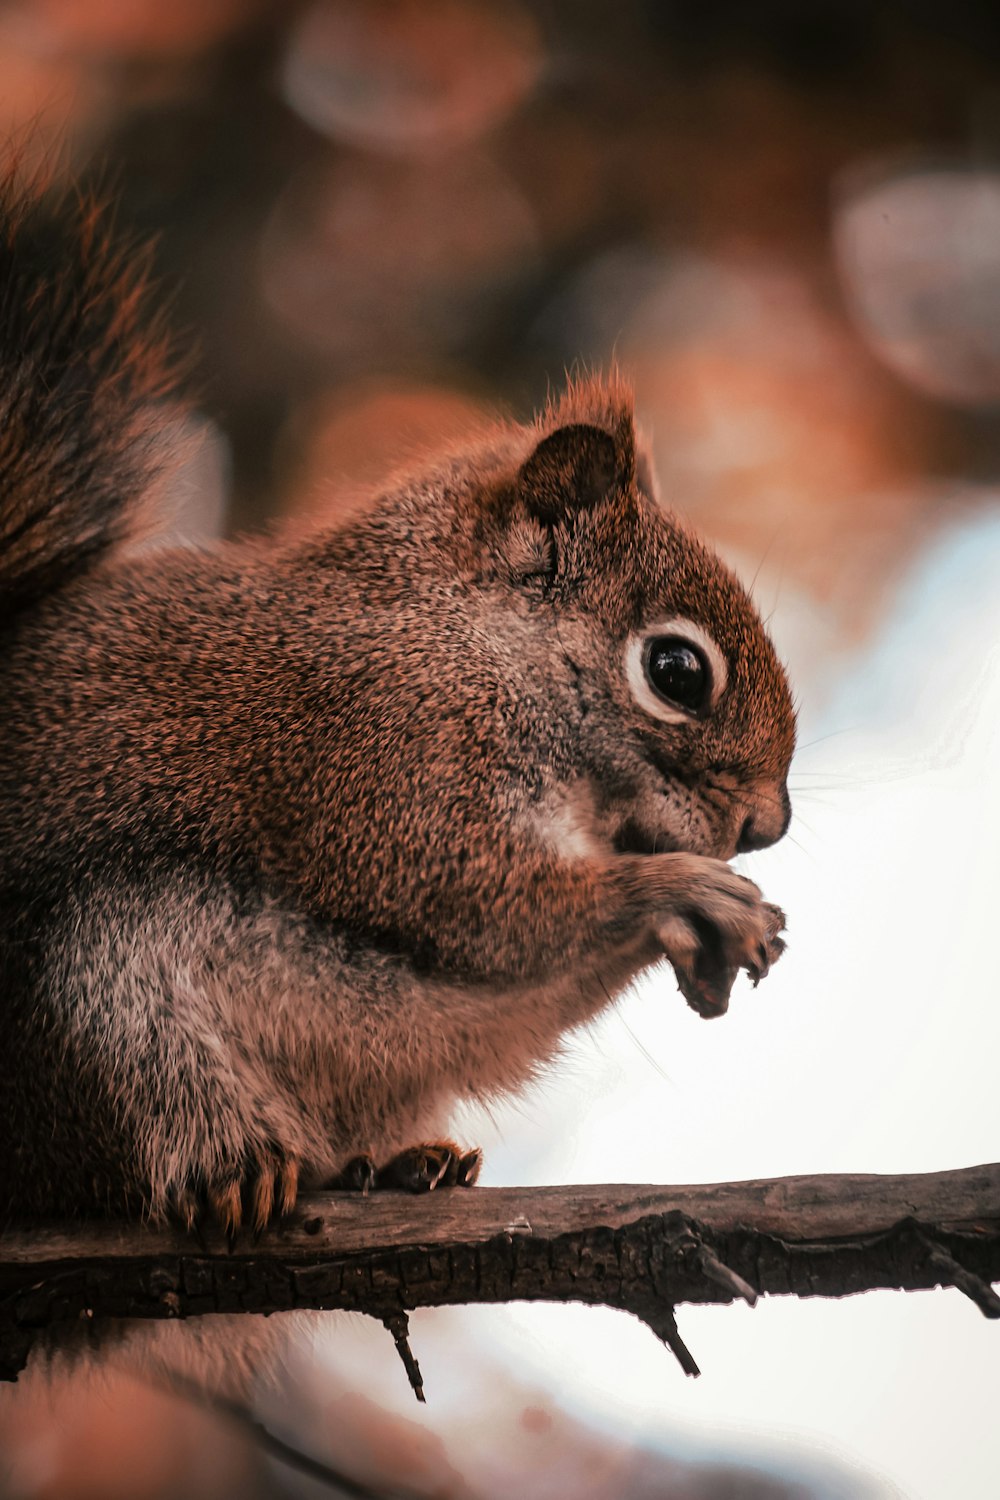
{"x":719,"y":924}
{"x":262,"y":1187}
{"x":418,"y":1169}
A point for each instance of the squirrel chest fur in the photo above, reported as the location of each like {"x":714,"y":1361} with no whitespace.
{"x":303,"y":841}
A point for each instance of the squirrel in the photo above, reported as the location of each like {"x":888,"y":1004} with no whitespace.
{"x":305,"y":839}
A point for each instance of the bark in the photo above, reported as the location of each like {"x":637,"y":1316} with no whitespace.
{"x":641,"y":1249}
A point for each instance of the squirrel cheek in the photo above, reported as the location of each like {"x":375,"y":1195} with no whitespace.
{"x":565,"y":823}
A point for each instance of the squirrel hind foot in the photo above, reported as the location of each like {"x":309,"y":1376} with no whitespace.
{"x":264,"y":1187}
{"x":418,"y":1169}
{"x":421,"y":1169}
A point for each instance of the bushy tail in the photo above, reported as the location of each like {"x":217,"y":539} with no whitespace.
{"x":81,"y":365}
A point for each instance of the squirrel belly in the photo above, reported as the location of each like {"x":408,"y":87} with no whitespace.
{"x":305,"y":839}
{"x":202,"y":1035}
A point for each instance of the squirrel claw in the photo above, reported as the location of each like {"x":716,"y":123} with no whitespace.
{"x":226,"y":1204}
{"x":273,"y":1187}
{"x":470,"y":1164}
{"x":184,"y":1209}
{"x":359,"y":1176}
{"x":288,"y":1183}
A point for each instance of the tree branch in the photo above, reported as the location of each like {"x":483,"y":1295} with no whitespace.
{"x":641,"y":1249}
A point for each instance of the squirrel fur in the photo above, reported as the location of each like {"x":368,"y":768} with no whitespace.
{"x":303,"y":840}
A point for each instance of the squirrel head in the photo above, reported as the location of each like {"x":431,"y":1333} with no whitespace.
{"x":683,"y":723}
{"x":531,"y":591}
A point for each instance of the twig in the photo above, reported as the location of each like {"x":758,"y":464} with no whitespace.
{"x":398,"y":1325}
{"x":974,"y":1287}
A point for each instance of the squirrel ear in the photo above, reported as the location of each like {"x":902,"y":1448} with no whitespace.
{"x":572,"y":469}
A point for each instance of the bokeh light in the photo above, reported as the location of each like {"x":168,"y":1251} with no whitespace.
{"x":410,"y":77}
{"x":917,"y":251}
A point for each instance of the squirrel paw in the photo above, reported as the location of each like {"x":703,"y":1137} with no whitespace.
{"x":726,"y":928}
{"x":418,"y":1169}
{"x":263,"y":1187}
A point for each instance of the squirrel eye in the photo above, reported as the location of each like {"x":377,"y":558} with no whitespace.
{"x":675,"y":671}
{"x":678,"y":672}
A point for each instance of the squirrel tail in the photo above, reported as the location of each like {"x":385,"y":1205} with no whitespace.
{"x":81,"y":367}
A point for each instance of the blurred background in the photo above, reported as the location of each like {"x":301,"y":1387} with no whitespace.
{"x":380,"y":220}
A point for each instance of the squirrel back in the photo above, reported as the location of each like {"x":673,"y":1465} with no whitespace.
{"x":83,"y":360}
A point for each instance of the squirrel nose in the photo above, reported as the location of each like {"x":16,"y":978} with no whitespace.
{"x":767,"y":823}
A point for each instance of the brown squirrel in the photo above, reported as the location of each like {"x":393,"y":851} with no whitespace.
{"x":302,"y":841}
